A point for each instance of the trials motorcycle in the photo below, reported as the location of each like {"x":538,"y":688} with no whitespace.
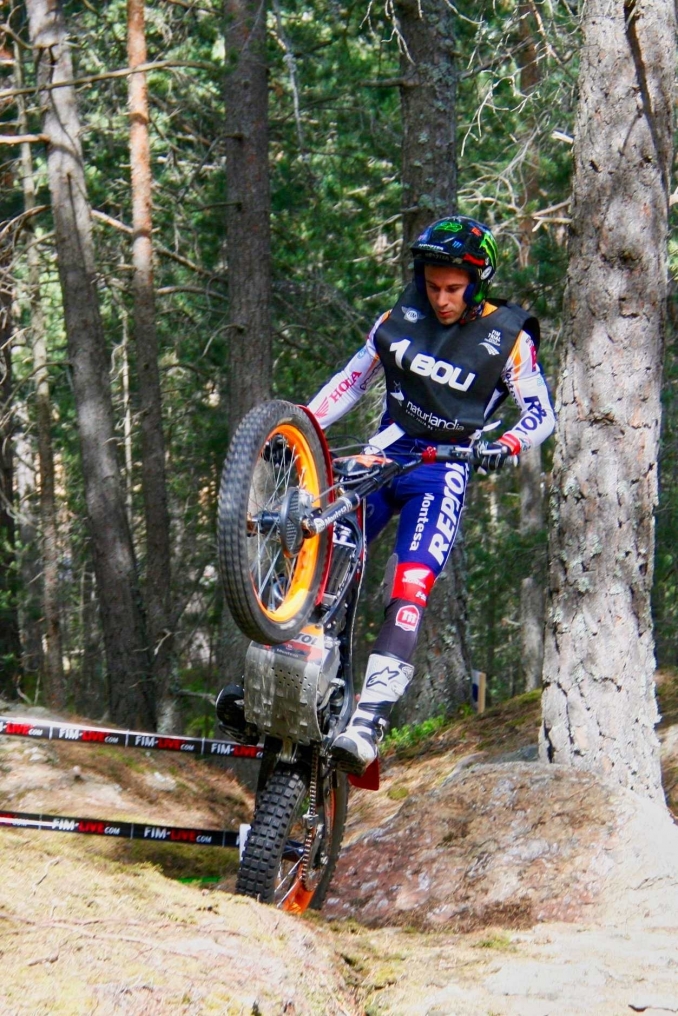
{"x":291,"y":545}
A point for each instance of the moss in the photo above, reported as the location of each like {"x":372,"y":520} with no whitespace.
{"x":397,"y":793}
{"x":382,"y":977}
{"x":179,"y":861}
{"x":354,"y":962}
{"x":498,"y":940}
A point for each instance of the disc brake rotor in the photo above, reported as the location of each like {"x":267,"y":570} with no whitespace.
{"x":293,"y":508}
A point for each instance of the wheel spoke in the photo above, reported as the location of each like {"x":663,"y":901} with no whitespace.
{"x":290,"y":879}
{"x":273,"y":478}
{"x":270,"y":571}
{"x":270,"y":575}
{"x":263,"y":546}
{"x":290,"y":467}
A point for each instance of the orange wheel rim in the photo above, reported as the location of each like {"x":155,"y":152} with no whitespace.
{"x":299,"y":571}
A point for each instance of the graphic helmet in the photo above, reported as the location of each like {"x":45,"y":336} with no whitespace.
{"x":458,"y":242}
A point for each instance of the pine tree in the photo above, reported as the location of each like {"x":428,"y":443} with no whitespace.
{"x":598,"y":705}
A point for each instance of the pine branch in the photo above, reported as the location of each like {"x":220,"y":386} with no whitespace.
{"x":23,"y":139}
{"x":165,"y":251}
{"x":390,"y":83}
{"x":123,"y":72}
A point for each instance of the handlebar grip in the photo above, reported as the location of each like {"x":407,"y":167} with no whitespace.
{"x":449,"y":453}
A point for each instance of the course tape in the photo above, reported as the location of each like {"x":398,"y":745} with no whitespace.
{"x":123,"y":830}
{"x":77,"y":734}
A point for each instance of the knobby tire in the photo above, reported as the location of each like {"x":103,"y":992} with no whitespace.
{"x":278,"y":808}
{"x":243,"y":469}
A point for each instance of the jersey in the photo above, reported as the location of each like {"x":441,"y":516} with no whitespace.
{"x":440,"y":378}
{"x":521,"y":377}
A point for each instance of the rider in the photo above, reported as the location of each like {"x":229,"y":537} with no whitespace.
{"x":449,"y":356}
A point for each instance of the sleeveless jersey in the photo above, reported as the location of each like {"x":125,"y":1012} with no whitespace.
{"x":440,"y":378}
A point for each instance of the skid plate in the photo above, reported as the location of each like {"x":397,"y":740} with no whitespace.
{"x":285,"y":683}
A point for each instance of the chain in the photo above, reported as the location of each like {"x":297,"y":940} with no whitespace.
{"x":311,"y":817}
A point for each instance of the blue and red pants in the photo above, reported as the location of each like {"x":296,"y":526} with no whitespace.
{"x":429,"y":503}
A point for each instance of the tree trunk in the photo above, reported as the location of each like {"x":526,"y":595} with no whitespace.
{"x":442,"y":672}
{"x":248,"y":235}
{"x":532,"y":586}
{"x":428,"y":99}
{"x":248,"y":243}
{"x":532,"y":595}
{"x":87,"y":686}
{"x":130,"y":686}
{"x":530,"y":77}
{"x":153,"y":480}
{"x":30,"y":559}
{"x":599,"y":706}
{"x":55,"y":689}
{"x":10,"y":643}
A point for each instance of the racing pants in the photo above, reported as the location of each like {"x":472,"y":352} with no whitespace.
{"x":429,"y":501}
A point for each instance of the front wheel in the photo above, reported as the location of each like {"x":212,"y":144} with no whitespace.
{"x":274,"y":473}
{"x":286,"y":862}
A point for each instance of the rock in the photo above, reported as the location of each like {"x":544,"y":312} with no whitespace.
{"x":650,"y":1003}
{"x":514,"y":844}
{"x":161,"y":781}
{"x":551,"y":981}
{"x":528,"y":753}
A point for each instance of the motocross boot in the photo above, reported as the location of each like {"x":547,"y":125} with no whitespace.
{"x":386,"y":678}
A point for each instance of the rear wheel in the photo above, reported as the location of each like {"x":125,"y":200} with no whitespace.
{"x":286,"y":862}
{"x":274,"y":473}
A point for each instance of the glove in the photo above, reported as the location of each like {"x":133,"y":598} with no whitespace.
{"x":490,"y":456}
{"x":278,"y":453}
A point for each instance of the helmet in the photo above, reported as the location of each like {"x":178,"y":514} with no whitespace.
{"x":458,"y":242}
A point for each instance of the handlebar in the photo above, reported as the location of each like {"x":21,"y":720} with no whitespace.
{"x":448,"y":453}
{"x":319,"y":521}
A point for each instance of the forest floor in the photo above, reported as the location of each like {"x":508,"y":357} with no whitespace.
{"x":91,"y":925}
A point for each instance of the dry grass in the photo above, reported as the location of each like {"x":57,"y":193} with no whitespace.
{"x":97,"y":926}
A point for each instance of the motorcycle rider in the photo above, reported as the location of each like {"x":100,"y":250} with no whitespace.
{"x":450,"y":356}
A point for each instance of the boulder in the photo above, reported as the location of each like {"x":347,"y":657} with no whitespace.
{"x":513,"y":844}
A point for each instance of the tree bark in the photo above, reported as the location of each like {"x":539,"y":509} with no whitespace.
{"x":532,"y":606}
{"x":530,"y":77}
{"x":248,"y":243}
{"x":248,"y":236}
{"x":442,"y":670}
{"x":29,"y":576}
{"x":153,"y":479}
{"x":532,"y":594}
{"x":10,"y":642}
{"x":599,"y":706}
{"x":54,"y":681}
{"x":131,"y":699}
{"x":428,"y":99}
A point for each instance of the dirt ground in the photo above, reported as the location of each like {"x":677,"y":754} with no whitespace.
{"x":97,"y":926}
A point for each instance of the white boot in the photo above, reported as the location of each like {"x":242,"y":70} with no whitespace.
{"x":386,"y":678}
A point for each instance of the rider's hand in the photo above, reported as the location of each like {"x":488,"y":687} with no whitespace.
{"x":278,"y":453}
{"x":490,"y":456}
